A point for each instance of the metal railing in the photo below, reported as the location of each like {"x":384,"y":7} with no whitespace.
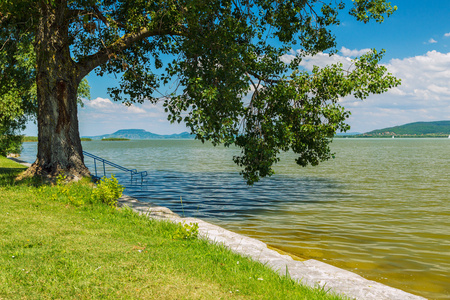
{"x":107,"y":162}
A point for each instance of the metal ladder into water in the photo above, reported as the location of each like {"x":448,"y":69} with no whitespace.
{"x":133,"y":172}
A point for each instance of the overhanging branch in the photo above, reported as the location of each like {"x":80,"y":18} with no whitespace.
{"x":88,"y":63}
{"x":266,"y":80}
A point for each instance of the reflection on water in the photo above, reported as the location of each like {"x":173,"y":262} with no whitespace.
{"x":225,"y":196}
{"x":380,"y":209}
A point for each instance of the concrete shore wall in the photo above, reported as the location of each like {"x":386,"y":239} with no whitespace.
{"x":310,"y":272}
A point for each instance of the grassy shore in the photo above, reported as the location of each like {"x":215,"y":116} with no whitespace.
{"x":57,"y":243}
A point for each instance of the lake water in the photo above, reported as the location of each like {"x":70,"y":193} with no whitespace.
{"x":381,"y":208}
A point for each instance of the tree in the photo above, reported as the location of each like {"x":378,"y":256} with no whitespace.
{"x":232,"y":85}
{"x":18,"y":90}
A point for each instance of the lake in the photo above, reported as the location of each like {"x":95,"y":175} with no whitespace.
{"x":381,"y":208}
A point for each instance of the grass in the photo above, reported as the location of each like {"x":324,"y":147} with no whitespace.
{"x":30,"y":139}
{"x":57,"y":243}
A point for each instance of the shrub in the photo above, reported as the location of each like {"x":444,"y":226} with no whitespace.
{"x":108,"y":191}
{"x":186,"y":232}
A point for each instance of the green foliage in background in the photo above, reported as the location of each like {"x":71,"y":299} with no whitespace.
{"x":108,"y":191}
{"x":17,"y":91}
{"x":10,"y":140}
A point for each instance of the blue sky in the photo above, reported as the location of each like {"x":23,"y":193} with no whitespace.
{"x":417,"y":42}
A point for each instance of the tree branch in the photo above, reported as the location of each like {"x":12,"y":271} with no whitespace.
{"x":99,"y":15}
{"x":260,"y":78}
{"x":4,"y":44}
{"x":76,"y":12}
{"x":4,"y":18}
{"x":95,"y":13}
{"x":88,"y":63}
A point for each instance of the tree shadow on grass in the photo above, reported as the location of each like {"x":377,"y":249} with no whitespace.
{"x":8,"y":177}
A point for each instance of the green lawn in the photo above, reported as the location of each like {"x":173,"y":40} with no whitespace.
{"x":56,"y":243}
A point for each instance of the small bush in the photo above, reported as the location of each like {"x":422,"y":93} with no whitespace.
{"x":186,"y":232}
{"x":108,"y":191}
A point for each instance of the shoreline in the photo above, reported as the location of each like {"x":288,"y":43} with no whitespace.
{"x":309,"y":271}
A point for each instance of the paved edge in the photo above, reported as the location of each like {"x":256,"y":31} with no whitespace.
{"x":24,"y":163}
{"x":310,"y":272}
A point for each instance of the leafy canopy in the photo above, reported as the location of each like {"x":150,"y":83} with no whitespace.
{"x":223,"y":59}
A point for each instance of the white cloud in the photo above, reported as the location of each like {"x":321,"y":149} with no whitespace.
{"x":432,"y":41}
{"x":100,"y":116}
{"x":104,"y":105}
{"x":424,"y":94}
{"x":99,"y":103}
{"x":447,"y":34}
{"x":354,"y":52}
{"x":135,"y":110}
{"x":439,"y":90}
{"x":287,"y":58}
{"x":397,"y":91}
{"x":427,"y":74}
{"x":320,"y":60}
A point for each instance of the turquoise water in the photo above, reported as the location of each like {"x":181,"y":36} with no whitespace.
{"x":381,"y":208}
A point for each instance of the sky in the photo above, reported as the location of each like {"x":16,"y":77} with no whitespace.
{"x":417,"y":43}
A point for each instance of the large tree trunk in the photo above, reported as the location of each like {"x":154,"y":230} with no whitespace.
{"x":57,"y":79}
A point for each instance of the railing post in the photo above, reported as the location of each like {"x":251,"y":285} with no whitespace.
{"x":104,"y":161}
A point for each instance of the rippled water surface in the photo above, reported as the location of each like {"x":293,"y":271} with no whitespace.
{"x":381,"y":208}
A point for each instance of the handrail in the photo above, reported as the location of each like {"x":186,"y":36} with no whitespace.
{"x":107,"y":162}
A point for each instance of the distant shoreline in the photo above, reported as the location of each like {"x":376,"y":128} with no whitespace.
{"x":114,"y":139}
{"x":27,"y":139}
{"x":35,"y":139}
{"x":439,"y":136}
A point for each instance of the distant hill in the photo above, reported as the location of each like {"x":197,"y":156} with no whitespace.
{"x":438,"y":128}
{"x":141,"y":134}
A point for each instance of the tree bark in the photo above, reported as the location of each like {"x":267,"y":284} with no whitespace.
{"x":57,"y":80}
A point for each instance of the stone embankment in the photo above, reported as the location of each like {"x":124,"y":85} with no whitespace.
{"x":310,"y":272}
